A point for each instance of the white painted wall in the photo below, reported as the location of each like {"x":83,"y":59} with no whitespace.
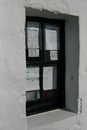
{"x":13,"y":67}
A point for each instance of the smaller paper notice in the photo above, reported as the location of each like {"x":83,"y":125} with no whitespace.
{"x":33,"y":52}
{"x":53,"y":55}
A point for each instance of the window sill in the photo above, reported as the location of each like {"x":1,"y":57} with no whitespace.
{"x":48,"y":117}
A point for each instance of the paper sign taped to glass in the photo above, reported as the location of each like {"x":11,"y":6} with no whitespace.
{"x":32,"y":72}
{"x":33,"y":35}
{"x":33,"y":39}
{"x":32,"y":76}
{"x":53,"y":55}
{"x":33,"y":52}
{"x":49,"y":78}
{"x":51,"y":37}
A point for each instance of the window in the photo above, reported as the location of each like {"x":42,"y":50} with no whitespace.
{"x":45,"y":64}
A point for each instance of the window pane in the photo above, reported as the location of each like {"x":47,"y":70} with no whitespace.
{"x":32,"y":76}
{"x":32,"y":95}
{"x":50,"y":94}
{"x":52,"y":37}
{"x":49,"y":78}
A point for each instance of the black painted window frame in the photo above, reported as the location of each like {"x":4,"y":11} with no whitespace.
{"x":34,"y":107}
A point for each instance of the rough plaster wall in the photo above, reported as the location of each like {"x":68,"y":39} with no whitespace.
{"x":50,"y":5}
{"x":12,"y":65}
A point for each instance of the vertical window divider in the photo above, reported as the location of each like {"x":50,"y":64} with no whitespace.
{"x":41,"y":62}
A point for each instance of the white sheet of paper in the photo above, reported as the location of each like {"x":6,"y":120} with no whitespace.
{"x":51,"y":37}
{"x":32,"y":84}
{"x":33,"y":53}
{"x":49,"y":78}
{"x":53,"y":55}
{"x":32,"y":73}
{"x":33,"y":34}
{"x":32,"y":76}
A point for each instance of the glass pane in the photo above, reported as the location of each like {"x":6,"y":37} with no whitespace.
{"x":52,"y":37}
{"x":32,"y":95}
{"x":50,"y":94}
{"x":32,"y":76}
{"x":46,"y":55}
{"x":49,"y":78}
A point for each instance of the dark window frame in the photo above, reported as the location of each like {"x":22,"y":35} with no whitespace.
{"x":60,"y":102}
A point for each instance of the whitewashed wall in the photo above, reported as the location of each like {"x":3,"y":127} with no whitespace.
{"x":13,"y":67}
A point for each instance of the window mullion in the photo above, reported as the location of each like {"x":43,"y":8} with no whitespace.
{"x":41,"y":81}
{"x":41,"y":59}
